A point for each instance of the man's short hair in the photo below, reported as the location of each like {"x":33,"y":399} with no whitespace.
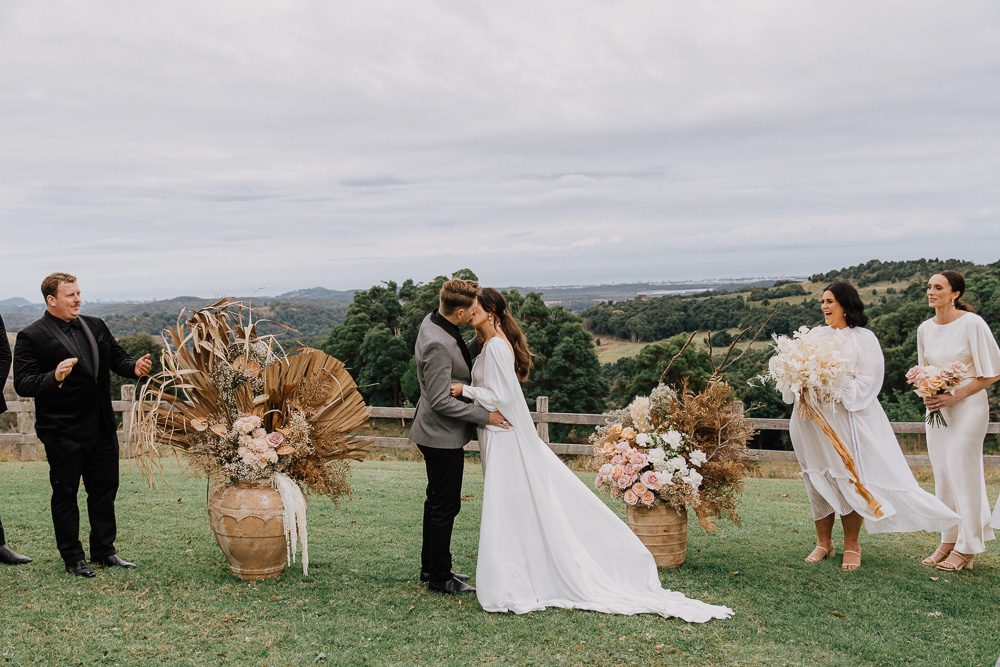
{"x":50,"y":286}
{"x":457,"y":293}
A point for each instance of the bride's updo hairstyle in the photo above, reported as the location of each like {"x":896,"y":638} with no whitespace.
{"x":850,"y":301}
{"x":957,"y":282}
{"x":493,"y":302}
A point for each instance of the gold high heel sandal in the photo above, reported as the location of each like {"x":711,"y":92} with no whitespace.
{"x":939,"y":555}
{"x":814,"y":558}
{"x":964,"y":562}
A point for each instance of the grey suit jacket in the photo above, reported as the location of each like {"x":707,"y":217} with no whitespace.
{"x":442,"y":421}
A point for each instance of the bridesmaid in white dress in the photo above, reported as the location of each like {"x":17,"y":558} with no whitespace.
{"x":546,"y":539}
{"x":862,"y":425}
{"x":955,"y":333}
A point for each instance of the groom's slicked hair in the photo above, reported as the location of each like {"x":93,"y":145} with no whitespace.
{"x":457,"y":293}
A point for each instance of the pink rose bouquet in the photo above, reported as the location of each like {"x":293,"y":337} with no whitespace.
{"x":928,"y":380}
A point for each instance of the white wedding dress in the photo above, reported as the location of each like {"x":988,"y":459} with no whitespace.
{"x":546,"y":540}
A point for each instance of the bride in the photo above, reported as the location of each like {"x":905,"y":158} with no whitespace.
{"x":546,"y":540}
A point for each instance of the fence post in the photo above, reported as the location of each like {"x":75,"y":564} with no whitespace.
{"x":26,"y":428}
{"x":542,"y":406}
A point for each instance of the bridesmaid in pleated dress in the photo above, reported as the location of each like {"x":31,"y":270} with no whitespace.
{"x":956,"y":333}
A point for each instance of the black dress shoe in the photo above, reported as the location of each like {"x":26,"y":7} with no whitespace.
{"x":424,"y":577}
{"x":114,"y":560}
{"x":450,"y":587}
{"x":80,"y":569}
{"x":10,"y":557}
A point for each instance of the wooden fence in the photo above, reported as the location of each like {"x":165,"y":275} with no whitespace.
{"x":22,"y":445}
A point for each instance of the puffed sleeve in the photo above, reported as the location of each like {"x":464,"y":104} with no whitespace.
{"x":868,"y":377}
{"x":985,"y":352}
{"x":498,"y":378}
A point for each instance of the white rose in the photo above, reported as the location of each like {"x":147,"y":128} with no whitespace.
{"x":673,"y":438}
{"x":643,"y":439}
{"x":697,"y":457}
{"x":693,"y":478}
{"x":656,"y":456}
{"x":677,"y":464}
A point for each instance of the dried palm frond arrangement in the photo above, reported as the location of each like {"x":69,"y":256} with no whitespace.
{"x":680,"y":447}
{"x":242,"y":409}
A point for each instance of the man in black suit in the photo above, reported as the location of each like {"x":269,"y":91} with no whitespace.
{"x":7,"y":555}
{"x":63,"y":360}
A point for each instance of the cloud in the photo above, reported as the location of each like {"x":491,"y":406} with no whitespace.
{"x":173,"y":147}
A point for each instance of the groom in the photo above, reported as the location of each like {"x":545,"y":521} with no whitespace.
{"x":443,"y":425}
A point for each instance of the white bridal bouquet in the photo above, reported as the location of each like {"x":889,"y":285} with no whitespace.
{"x":811,"y":363}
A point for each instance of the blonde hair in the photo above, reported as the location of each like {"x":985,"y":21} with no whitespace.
{"x":457,"y":293}
{"x":50,"y":285}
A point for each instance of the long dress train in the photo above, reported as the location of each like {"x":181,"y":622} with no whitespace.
{"x":546,"y":539}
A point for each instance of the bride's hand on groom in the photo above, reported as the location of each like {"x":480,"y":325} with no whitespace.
{"x":456,"y":388}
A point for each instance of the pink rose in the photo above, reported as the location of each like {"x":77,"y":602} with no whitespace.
{"x":638,"y":488}
{"x":647,"y":498}
{"x":275,"y":439}
{"x":621,"y":446}
{"x":630,"y":470}
{"x":638,"y":460}
{"x":617,"y":472}
{"x":631,"y":498}
{"x":617,"y":460}
{"x":652,"y":480}
{"x":625,"y":481}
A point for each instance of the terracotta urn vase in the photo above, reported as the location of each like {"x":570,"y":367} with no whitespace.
{"x":663,"y":530}
{"x":248,"y":521}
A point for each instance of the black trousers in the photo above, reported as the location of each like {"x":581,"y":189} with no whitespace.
{"x":444,"y":500}
{"x":96,"y":463}
{"x":3,"y":540}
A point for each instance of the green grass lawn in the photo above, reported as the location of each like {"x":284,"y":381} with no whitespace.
{"x":362,"y":605}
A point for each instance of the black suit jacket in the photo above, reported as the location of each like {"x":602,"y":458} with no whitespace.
{"x":78,"y":410}
{"x":5,"y":359}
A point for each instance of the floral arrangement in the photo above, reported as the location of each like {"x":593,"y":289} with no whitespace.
{"x":930,"y":380}
{"x":682,"y":448}
{"x":820,"y":365}
{"x":242,"y":409}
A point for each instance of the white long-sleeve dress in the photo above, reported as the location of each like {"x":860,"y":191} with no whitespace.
{"x":956,"y":450}
{"x":546,"y":540}
{"x":862,"y":425}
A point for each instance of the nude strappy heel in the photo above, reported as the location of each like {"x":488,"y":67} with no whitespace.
{"x":851,"y":567}
{"x":814,"y":558}
{"x":965,"y":562}
{"x":939,"y":555}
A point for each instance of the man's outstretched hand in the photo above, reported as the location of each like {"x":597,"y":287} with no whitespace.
{"x":64,"y":368}
{"x":143,"y":365}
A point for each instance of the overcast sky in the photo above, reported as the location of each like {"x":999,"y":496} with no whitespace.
{"x":166,"y":148}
